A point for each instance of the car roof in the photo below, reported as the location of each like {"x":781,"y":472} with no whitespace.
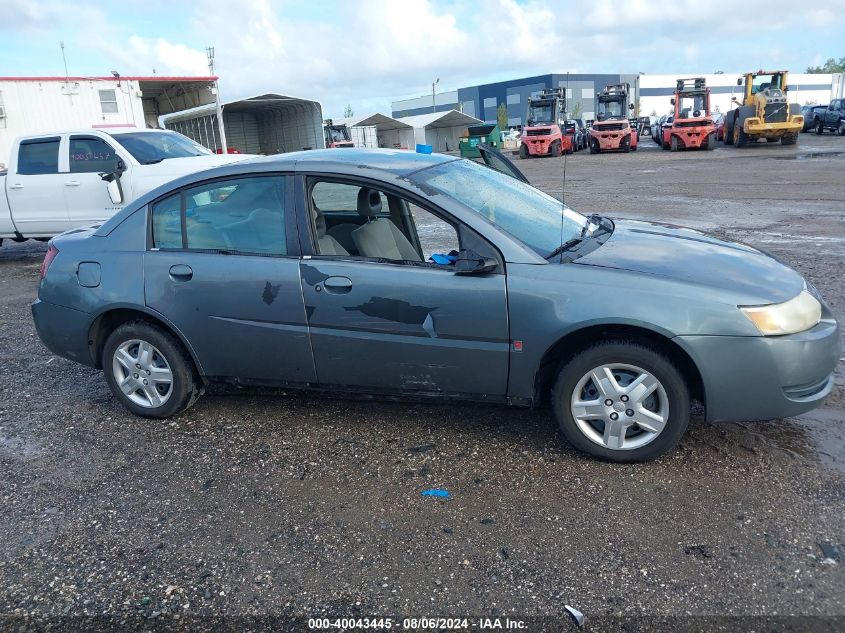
{"x":341,"y":160}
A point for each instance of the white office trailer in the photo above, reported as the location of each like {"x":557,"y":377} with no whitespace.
{"x":441,"y":130}
{"x":390,"y":133}
{"x":263,"y":124}
{"x":36,"y":105}
{"x":656,"y":91}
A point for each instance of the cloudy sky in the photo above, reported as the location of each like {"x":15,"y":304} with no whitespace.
{"x":370,"y":52}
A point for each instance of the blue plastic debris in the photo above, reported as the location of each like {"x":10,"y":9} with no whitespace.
{"x":424,"y":149}
{"x":435,"y":492}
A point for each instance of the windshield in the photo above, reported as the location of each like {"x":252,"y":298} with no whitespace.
{"x":338,"y":134}
{"x":610,"y":110}
{"x":691,"y":106}
{"x":761,"y":82}
{"x":534,"y":218}
{"x":540,"y":113}
{"x":153,"y":147}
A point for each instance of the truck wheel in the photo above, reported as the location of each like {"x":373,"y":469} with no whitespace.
{"x":594,"y":147}
{"x":149,"y":370}
{"x":819,"y":127}
{"x":621,"y":401}
{"x":523,"y":151}
{"x":740,"y":137}
{"x":710,"y":143}
{"x":673,"y":144}
{"x":728,"y":133}
{"x":554,"y":150}
{"x":842,"y":128}
{"x":625,"y":145}
{"x":789,"y":139}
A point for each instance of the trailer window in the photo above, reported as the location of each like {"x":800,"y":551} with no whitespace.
{"x":108,"y":101}
{"x":89,"y":154}
{"x":39,"y":156}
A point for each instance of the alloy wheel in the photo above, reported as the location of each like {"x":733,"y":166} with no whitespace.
{"x":620,"y":406}
{"x":142,"y":373}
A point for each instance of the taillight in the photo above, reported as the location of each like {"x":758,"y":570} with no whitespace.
{"x":52,"y":251}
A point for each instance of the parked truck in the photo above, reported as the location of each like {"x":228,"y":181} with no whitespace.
{"x":691,"y":126}
{"x":612,"y":131}
{"x":59,"y":181}
{"x":545,"y":121}
{"x":831,"y":118}
{"x":764,"y":111}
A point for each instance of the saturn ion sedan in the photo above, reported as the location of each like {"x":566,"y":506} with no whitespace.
{"x":429,"y":276}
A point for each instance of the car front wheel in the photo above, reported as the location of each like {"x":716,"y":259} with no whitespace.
{"x":149,"y":370}
{"x":621,"y":401}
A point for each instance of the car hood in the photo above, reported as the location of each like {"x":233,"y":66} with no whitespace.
{"x":690,"y":256}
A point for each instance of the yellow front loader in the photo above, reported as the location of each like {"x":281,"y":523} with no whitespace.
{"x":764,"y":111}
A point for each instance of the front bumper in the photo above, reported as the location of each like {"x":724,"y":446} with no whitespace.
{"x":64,"y":331}
{"x":755,"y":125}
{"x":765,"y":377}
{"x":611,"y":140}
{"x":692,"y":137}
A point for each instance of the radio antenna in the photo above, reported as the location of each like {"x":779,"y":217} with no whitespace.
{"x":563,"y":184}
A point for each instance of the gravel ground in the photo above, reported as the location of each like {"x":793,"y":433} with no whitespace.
{"x":256,"y":504}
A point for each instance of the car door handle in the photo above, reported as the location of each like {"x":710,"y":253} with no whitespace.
{"x":17,"y":185}
{"x":72,"y":183}
{"x":181,"y":272}
{"x":338,"y":285}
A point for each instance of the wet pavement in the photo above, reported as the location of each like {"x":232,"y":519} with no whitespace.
{"x":260,"y":502}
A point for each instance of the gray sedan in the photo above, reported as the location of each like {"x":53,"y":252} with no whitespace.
{"x":427,"y":276}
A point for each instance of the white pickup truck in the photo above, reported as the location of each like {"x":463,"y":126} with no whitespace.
{"x":56,"y":182}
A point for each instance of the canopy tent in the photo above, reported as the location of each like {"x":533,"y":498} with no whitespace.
{"x":441,"y":130}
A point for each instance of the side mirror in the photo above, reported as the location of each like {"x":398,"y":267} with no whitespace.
{"x":734,"y":99}
{"x":119,"y":166}
{"x":672,"y":100}
{"x":739,"y":81}
{"x":630,"y":106}
{"x":115,"y":191}
{"x":471,"y":263}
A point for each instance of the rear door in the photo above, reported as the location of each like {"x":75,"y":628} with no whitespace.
{"x":36,"y":188}
{"x":223,"y":266}
{"x":86,"y":195}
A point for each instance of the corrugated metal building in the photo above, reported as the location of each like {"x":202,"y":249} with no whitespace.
{"x":263,"y":124}
{"x":35,"y":105}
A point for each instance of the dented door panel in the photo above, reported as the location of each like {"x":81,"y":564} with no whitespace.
{"x":406,"y":328}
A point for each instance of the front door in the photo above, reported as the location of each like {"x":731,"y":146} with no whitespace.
{"x":36,"y":189}
{"x":224,"y":269}
{"x":86,"y":194}
{"x":406,"y":326}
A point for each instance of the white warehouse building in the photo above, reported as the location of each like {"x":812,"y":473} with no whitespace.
{"x":35,"y":105}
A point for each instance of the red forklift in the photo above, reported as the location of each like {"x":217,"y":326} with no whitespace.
{"x":542,"y":133}
{"x":692,"y":126}
{"x":337,"y":135}
{"x":612,"y":131}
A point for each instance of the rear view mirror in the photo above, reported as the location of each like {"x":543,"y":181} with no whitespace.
{"x":115,"y":191}
{"x":471,"y":263}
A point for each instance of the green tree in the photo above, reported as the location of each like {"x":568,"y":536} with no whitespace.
{"x":577,"y":110}
{"x":347,"y":111}
{"x":830,"y":66}
{"x":502,"y":116}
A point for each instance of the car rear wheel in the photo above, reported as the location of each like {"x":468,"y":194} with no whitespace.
{"x":149,"y":370}
{"x":819,"y":127}
{"x":621,"y":401}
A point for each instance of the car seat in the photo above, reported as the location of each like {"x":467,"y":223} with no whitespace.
{"x":380,"y":237}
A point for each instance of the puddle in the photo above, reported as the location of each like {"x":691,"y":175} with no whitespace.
{"x":808,"y":155}
{"x":825,"y":428}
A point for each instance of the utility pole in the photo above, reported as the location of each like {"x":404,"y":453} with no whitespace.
{"x":433,"y":104}
{"x":209,"y":51}
{"x":64,"y":59}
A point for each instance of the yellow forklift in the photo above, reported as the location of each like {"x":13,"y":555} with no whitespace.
{"x":764,"y":111}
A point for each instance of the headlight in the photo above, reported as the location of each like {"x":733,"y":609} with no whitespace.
{"x":796,"y":315}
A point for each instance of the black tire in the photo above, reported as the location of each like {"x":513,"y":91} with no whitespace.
{"x":523,"y":151}
{"x":819,"y":127}
{"x":186,"y":385}
{"x":741,"y":139}
{"x":673,"y":144}
{"x":626,"y":144}
{"x":789,"y":139}
{"x":842,"y":128}
{"x":710,"y":143}
{"x":594,"y":147}
{"x":629,"y":353}
{"x":728,"y":133}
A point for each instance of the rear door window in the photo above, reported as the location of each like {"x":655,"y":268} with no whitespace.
{"x":239,"y":216}
{"x":39,"y":156}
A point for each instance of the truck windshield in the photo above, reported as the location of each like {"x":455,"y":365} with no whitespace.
{"x":540,"y":113}
{"x":534,"y":218}
{"x":691,"y":106}
{"x":761,"y":82}
{"x":610,"y":110}
{"x":338,"y":134}
{"x":153,"y":147}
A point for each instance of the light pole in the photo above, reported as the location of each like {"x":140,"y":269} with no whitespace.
{"x":433,"y":104}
